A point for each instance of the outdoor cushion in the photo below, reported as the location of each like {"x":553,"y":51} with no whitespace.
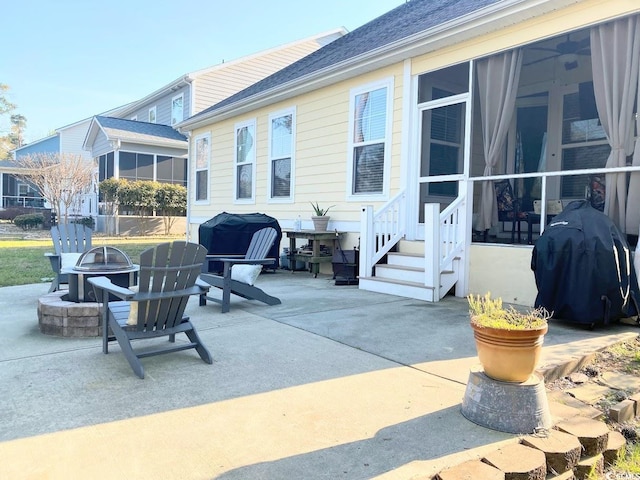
{"x":246,"y":273}
{"x":69,"y":260}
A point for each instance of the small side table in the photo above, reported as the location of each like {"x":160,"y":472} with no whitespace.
{"x":315,"y":258}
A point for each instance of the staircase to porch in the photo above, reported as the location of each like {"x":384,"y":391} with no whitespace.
{"x":402,"y":273}
{"x":425,"y":270}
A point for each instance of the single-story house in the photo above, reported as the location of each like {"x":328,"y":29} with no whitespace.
{"x":406,"y":124}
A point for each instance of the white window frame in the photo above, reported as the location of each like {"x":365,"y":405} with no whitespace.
{"x":206,"y":166}
{"x":153,"y":111}
{"x":282,"y":113}
{"x":387,"y":83}
{"x":174,"y":119}
{"x":251,"y":161}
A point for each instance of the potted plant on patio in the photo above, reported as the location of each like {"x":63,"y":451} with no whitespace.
{"x":508,"y":341}
{"x":320,"y":219}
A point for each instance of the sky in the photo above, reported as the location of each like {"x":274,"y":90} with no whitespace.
{"x":68,"y":60}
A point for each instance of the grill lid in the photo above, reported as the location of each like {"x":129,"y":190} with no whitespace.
{"x":102,"y":259}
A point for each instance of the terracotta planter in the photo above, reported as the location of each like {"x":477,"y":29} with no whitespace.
{"x":509,"y":355}
{"x":320,"y":223}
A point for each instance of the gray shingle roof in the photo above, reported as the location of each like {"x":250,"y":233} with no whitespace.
{"x":133,"y":129}
{"x":400,"y":23}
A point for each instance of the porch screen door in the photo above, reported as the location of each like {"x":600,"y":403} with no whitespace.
{"x":442,"y":151}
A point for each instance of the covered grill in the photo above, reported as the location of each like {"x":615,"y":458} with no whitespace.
{"x":105,"y":261}
{"x":230,"y":234}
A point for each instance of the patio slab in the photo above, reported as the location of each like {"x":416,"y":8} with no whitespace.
{"x":333,"y":383}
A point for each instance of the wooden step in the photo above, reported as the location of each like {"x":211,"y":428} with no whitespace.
{"x":589,"y":467}
{"x":561,"y":450}
{"x":519,"y":461}
{"x":592,"y":434}
{"x":471,"y":470}
{"x":615,"y":449}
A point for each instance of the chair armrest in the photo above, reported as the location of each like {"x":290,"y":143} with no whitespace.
{"x":103,"y":283}
{"x":219,"y":257}
{"x":246,"y":261}
{"x":54,"y":259}
{"x":204,"y":286}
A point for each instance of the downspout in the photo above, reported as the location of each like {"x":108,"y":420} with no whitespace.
{"x":189,"y":184}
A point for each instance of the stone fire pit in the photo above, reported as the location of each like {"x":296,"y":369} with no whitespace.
{"x":63,"y":318}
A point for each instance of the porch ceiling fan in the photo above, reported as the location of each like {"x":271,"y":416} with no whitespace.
{"x":568,"y":49}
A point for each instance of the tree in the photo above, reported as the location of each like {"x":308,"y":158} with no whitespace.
{"x":60,"y":178}
{"x":171,"y":201}
{"x":14,"y":138}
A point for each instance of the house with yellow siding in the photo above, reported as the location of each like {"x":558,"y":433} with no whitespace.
{"x":418,"y":125}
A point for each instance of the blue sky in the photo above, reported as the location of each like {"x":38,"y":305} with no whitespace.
{"x":67,"y":60}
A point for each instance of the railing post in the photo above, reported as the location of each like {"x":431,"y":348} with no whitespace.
{"x":367,"y":239}
{"x":432,"y":248}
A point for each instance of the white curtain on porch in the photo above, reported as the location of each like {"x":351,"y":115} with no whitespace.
{"x":615,"y":59}
{"x":498,"y":78}
{"x":633,"y":199}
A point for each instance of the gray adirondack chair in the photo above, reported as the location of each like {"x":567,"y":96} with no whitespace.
{"x":68,"y":238}
{"x":168,"y":275}
{"x":261,"y":243}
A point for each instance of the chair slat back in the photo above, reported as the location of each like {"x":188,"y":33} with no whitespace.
{"x":71,"y":238}
{"x":261,"y":243}
{"x":167,"y":268}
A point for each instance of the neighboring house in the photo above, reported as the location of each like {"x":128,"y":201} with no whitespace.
{"x":69,"y":140}
{"x":140,"y":150}
{"x":406,"y":123}
{"x":142,"y":145}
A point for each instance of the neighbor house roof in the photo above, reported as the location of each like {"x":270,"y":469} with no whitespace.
{"x":132,"y":131}
{"x":413,"y":28}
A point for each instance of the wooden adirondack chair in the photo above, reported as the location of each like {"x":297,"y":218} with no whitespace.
{"x":261,"y":243}
{"x":168,"y":275}
{"x":70,"y":240}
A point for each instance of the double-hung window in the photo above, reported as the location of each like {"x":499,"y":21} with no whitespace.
{"x":152,"y":115}
{"x":281,"y":148}
{"x":202,"y":148}
{"x":245,"y":161}
{"x":177,"y":109}
{"x":369,"y":139}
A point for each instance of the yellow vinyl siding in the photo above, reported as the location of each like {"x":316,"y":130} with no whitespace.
{"x":321,"y":153}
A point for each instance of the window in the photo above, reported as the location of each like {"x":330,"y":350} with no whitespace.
{"x":136,"y":166}
{"x":369,"y":138}
{"x":171,"y":170}
{"x":105,"y":166}
{"x":245,"y":160}
{"x":177,"y":109}
{"x":584,"y":143}
{"x":281,"y":147}
{"x":202,"y":160}
{"x":152,"y":115}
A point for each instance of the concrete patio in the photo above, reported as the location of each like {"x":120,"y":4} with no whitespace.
{"x":334,"y":383}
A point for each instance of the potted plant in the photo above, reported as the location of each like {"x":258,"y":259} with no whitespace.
{"x":320,"y":219}
{"x":508,"y":341}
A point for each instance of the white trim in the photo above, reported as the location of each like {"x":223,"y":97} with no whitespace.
{"x":251,"y":125}
{"x":173,"y":99}
{"x":194,"y":161}
{"x":282,"y":113}
{"x":155,"y":115}
{"x":387,"y":83}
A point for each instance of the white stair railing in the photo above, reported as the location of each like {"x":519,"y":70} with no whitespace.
{"x":380,"y":231}
{"x":444,"y":240}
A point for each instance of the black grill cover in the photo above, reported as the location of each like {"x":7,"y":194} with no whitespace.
{"x":583,"y":268}
{"x":230,"y":234}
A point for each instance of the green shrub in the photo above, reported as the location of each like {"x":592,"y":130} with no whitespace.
{"x":86,"y":221}
{"x":29,"y":221}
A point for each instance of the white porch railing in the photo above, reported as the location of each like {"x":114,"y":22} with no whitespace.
{"x":444,"y":236}
{"x":385,"y":228}
{"x":381,"y":231}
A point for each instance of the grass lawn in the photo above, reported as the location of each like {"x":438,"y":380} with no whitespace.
{"x":23,"y":262}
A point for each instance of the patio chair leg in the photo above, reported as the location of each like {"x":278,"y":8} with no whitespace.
{"x":128,"y":352}
{"x":200,"y":348}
